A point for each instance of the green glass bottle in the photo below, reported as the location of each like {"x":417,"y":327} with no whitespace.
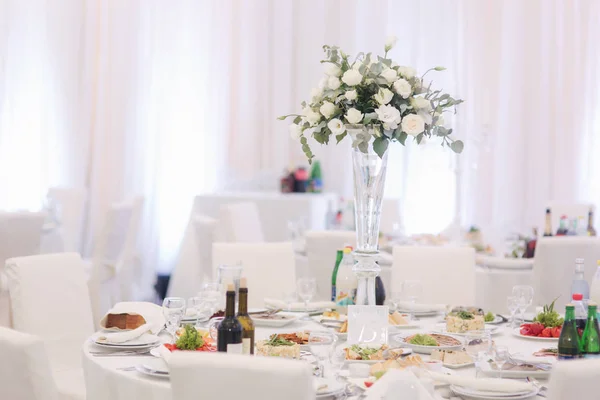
{"x":590,"y":340}
{"x":568,"y":342}
{"x":338,"y":260}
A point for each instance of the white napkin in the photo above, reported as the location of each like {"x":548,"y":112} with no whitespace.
{"x":420,"y":307}
{"x":384,"y":387}
{"x":486,"y":384}
{"x":152,"y":313}
{"x":164,"y":353}
{"x":275,"y":303}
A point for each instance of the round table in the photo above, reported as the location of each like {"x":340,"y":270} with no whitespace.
{"x":105,"y":381}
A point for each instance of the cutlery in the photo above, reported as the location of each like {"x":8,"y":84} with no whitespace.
{"x":504,"y":319}
{"x":126,"y":369}
{"x":333,"y":321}
{"x":121,"y":353}
{"x":520,"y":363}
{"x":538,"y":385}
{"x":268,"y":312}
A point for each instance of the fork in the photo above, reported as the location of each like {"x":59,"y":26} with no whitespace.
{"x":518,"y":363}
{"x":538,"y":385}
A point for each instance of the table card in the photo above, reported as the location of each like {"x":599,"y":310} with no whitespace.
{"x":368,"y":324}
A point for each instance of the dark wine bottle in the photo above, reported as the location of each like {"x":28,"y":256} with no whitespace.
{"x":229,"y":332}
{"x":245,"y":320}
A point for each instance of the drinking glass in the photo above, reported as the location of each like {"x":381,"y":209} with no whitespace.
{"x":513,"y":306}
{"x":395,"y":301}
{"x":337,"y":356}
{"x":307,"y":288}
{"x":211,"y":295}
{"x":501,"y":356}
{"x":226,"y":275}
{"x":289,"y":298}
{"x":476,"y":342}
{"x":321,"y":344}
{"x":524,"y":295}
{"x":412,"y":290}
{"x":173,"y":310}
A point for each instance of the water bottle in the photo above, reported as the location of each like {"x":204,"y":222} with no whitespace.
{"x":579,"y":284}
{"x":580,"y":312}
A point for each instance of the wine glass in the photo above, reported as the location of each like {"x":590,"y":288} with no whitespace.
{"x":395,"y":301}
{"x":289,"y":298}
{"x":412,"y":290}
{"x":173,"y":310}
{"x":337,"y":356}
{"x":307,"y":288}
{"x":320,"y":344}
{"x":524,"y":295}
{"x":477,"y":341}
{"x":513,"y":306}
{"x":211,"y":295}
{"x":501,"y":356}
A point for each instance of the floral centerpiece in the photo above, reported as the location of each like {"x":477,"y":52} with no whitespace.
{"x":375,"y":101}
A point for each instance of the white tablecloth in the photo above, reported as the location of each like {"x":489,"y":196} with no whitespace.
{"x":275,"y":209}
{"x":104,"y":381}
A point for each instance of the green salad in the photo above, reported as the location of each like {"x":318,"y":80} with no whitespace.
{"x":190,"y":339}
{"x":423,"y":340}
{"x":275,"y":340}
{"x":548,"y":317}
{"x":489,"y":317}
{"x":464,"y":315}
{"x":364,"y":352}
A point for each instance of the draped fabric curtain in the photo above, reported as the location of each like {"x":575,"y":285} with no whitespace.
{"x":172,"y":99}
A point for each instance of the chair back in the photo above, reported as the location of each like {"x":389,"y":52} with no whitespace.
{"x":50,"y":298}
{"x":554,"y":266}
{"x":240,"y":222}
{"x":71,"y":202}
{"x":287,"y":379}
{"x":577,"y":379}
{"x":447,"y":274}
{"x":321,"y":249}
{"x":268,"y":267}
{"x":25,"y":372}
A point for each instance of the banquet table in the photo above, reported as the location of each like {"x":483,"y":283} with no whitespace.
{"x":105,"y":381}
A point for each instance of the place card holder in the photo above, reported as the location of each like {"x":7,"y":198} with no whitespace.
{"x":368,"y":325}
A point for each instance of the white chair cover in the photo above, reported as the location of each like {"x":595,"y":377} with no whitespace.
{"x":240,"y":222}
{"x":268,"y":267}
{"x":391,"y":221}
{"x":194,"y":265}
{"x":447,"y":274}
{"x":578,"y":379}
{"x":554,"y":266}
{"x":287,"y":379}
{"x":50,"y":299}
{"x":25,"y":373}
{"x":71,"y":203}
{"x":20,"y":235}
{"x":321,"y":249}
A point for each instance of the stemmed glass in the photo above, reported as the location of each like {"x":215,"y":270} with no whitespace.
{"x":307,"y":288}
{"x":501,"y":356}
{"x":211,"y":296}
{"x":337,"y":356}
{"x":412,"y":290}
{"x":395,"y":300}
{"x":173,"y":310}
{"x":321,"y":346}
{"x":524,"y":295}
{"x":513,"y":306}
{"x":477,"y":342}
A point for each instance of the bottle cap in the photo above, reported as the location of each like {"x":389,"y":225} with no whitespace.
{"x":243,"y":283}
{"x":230,"y":287}
{"x":347,"y":249}
{"x":570,"y":305}
{"x":547,"y":210}
{"x":592,"y":304}
{"x":598,"y":263}
{"x":577,"y":296}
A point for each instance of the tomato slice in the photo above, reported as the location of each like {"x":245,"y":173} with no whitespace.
{"x":368,"y":384}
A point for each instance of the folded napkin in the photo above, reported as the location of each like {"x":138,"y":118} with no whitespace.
{"x":141,"y":333}
{"x":396,"y":381}
{"x":421,"y":307}
{"x":152,"y":313}
{"x":165,"y":353}
{"x":486,"y":384}
{"x":298,"y":306}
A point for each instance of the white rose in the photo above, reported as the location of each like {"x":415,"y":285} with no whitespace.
{"x":413,"y":124}
{"x":295,"y":131}
{"x":336,"y":126}
{"x":311,"y":116}
{"x":403,"y":88}
{"x":332,"y":69}
{"x":421,"y":104}
{"x":407,"y":72}
{"x":327,"y":109}
{"x":390,"y":75}
{"x":384,"y":96}
{"x":353,"y":116}
{"x":352,"y":77}
{"x":323,"y":82}
{"x":333,"y":83}
{"x":390,"y":116}
{"x":390,"y":42}
{"x":315,"y":94}
{"x":351,"y":95}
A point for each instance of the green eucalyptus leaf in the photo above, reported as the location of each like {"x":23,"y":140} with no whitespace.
{"x":303,"y":140}
{"x":364,"y":147}
{"x":297,"y":120}
{"x":402,"y":138}
{"x":380,"y":145}
{"x":362,"y":69}
{"x":457,"y":146}
{"x":440,"y":68}
{"x":340,"y":137}
{"x":419,"y":138}
{"x":381,"y":81}
{"x":388,"y":133}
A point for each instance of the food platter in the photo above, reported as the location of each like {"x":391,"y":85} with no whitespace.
{"x":386,"y":353}
{"x":517,"y":332}
{"x":447,"y":342}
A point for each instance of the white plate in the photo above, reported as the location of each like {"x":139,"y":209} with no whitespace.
{"x":426,"y":349}
{"x":154,"y":367}
{"x":406,"y":351}
{"x":487,"y":370}
{"x":333,"y":387}
{"x":451,"y":366}
{"x":441,"y":328}
{"x":275,"y":323}
{"x":497,"y":320}
{"x":467,"y":393}
{"x":427,"y":313}
{"x":309,"y":311}
{"x":516,"y":332}
{"x":144,"y":341}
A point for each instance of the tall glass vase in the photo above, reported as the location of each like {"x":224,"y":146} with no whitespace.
{"x":369,"y":180}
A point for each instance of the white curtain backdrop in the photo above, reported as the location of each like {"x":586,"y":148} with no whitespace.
{"x":171,"y":99}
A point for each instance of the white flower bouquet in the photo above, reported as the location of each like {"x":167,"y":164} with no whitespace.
{"x":376,"y":92}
